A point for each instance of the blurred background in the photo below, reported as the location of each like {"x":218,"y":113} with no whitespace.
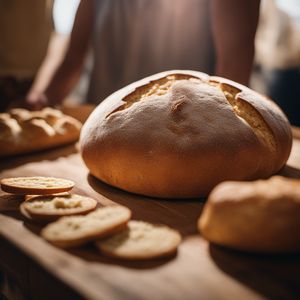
{"x":276,"y":70}
{"x":277,"y":57}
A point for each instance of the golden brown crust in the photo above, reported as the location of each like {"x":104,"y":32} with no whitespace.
{"x":36,"y":185}
{"x":176,"y":135}
{"x":259,"y":216}
{"x":275,"y":120}
{"x":23,"y":131}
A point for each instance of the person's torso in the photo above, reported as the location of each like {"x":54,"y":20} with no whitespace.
{"x":136,"y":38}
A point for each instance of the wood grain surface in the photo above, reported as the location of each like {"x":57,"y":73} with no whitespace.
{"x":198,"y":271}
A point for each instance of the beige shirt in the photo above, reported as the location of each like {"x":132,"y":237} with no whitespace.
{"x":25,"y":28}
{"x":136,"y":38}
{"x":278,"y":37}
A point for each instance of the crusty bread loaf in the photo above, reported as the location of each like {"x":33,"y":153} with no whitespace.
{"x":179,"y":133}
{"x":23,"y":131}
{"x":260,"y":216}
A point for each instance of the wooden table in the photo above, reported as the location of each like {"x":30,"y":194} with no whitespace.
{"x":198,"y":271}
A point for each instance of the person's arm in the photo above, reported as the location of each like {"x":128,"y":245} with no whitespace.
{"x":68,"y":73}
{"x":56,"y":51}
{"x":234,"y":24}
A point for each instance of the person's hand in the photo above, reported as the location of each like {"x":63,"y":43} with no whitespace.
{"x":36,"y":101}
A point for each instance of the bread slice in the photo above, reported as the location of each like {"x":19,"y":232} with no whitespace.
{"x":51,"y":207}
{"x":36,"y":185}
{"x":77,"y":230}
{"x":141,"y":241}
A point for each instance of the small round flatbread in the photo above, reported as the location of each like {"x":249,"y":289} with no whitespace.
{"x":77,"y":230}
{"x":49,"y":208}
{"x":37,"y":185}
{"x":141,"y":241}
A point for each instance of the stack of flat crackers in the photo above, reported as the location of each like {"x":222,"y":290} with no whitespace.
{"x":76,"y":220}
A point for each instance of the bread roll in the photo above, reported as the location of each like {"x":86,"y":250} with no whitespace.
{"x":177,"y":134}
{"x":259,"y":216}
{"x":23,"y":131}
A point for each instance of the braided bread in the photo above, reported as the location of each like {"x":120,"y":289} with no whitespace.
{"x":24,"y":131}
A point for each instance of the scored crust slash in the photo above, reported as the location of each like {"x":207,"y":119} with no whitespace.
{"x":177,"y":134}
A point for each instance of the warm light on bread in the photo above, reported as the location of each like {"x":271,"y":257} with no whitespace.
{"x":258,"y":216}
{"x":179,"y":133}
{"x":23,"y":131}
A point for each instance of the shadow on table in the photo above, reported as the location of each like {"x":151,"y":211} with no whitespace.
{"x":180,"y":214}
{"x":290,"y":172}
{"x":50,"y":154}
{"x":91,"y":254}
{"x":273,"y":276}
{"x":10,"y":203}
{"x":10,"y":206}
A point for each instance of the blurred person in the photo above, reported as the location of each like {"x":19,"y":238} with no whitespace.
{"x":25,"y":30}
{"x":131,"y":39}
{"x":32,"y":45}
{"x":278,"y":54}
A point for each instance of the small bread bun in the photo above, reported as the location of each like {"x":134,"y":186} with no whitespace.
{"x":177,"y":134}
{"x":259,"y":216}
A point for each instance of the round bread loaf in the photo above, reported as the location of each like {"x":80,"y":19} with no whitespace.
{"x":259,"y":216}
{"x":177,"y":134}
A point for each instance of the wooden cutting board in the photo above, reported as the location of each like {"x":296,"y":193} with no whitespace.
{"x":198,"y":271}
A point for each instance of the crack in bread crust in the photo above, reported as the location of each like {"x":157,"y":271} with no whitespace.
{"x":157,"y":87}
{"x":241,"y":107}
{"x":248,"y":113}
